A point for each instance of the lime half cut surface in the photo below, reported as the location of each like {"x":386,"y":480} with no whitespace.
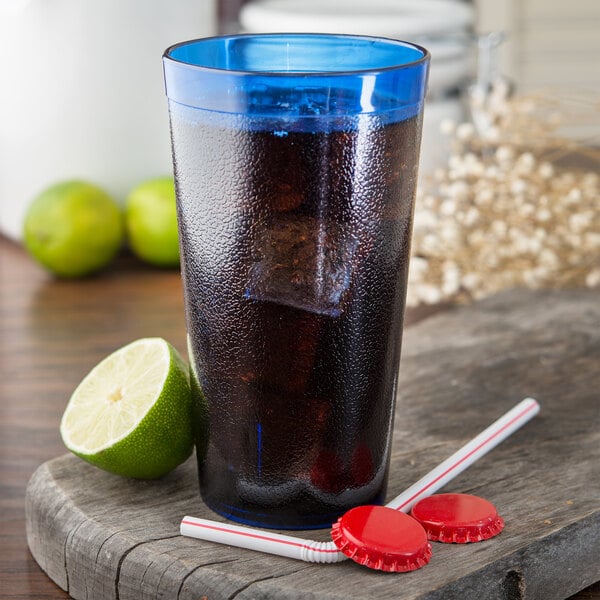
{"x":131,"y":415}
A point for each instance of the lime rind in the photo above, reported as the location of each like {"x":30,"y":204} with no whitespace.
{"x":200,"y":411}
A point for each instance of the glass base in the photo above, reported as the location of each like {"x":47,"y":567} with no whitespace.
{"x":292,"y":503}
{"x":274,"y":521}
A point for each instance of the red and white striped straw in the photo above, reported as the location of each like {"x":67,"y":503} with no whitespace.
{"x":327,"y":552}
{"x":263,"y":541}
{"x":464,"y":457}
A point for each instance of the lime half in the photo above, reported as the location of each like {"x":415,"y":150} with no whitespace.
{"x":131,"y":415}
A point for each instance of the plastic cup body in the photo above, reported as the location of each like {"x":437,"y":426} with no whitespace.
{"x":295,"y":159}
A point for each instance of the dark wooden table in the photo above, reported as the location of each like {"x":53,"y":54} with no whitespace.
{"x":51,"y":333}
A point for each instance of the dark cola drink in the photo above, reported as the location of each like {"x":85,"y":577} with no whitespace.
{"x":295,"y":248}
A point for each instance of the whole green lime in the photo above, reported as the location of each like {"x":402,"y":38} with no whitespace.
{"x":151,"y":222}
{"x":132,"y":414}
{"x":73,"y":228}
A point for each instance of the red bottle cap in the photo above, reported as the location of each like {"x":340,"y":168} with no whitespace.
{"x":457,"y":518}
{"x":382,"y":538}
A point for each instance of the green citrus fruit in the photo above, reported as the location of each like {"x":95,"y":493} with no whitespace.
{"x":151,"y":222}
{"x":200,"y":411}
{"x":73,"y":228}
{"x":132,"y":414}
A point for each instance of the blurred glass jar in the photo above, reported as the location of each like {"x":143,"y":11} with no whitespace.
{"x":444,"y":27}
{"x":82,"y":93}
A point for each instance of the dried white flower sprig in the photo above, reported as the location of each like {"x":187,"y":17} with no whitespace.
{"x":506,"y":211}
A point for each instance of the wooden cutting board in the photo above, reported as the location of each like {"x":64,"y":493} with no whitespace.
{"x":100,"y":536}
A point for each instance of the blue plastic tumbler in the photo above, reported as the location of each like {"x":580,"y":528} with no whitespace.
{"x":295,"y":159}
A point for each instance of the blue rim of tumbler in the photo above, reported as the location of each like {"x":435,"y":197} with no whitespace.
{"x":196,"y":53}
{"x":355,"y":74}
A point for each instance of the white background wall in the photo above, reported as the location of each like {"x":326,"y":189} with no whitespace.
{"x":551,"y":43}
{"x":82,"y":93}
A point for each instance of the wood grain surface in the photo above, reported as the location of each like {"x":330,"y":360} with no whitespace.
{"x":52,"y":332}
{"x":100,"y":536}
